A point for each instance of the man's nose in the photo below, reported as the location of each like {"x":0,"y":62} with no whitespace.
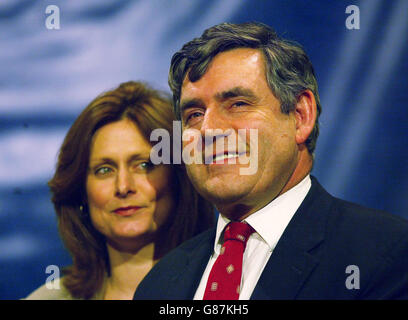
{"x":125,"y":184}
{"x":214,"y":123}
{"x":216,"y":131}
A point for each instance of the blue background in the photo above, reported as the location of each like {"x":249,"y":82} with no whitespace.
{"x":48,"y":76}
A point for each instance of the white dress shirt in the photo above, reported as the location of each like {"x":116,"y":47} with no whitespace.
{"x":269,"y":224}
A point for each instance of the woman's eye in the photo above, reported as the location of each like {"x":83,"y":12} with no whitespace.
{"x":103,"y":171}
{"x":145,"y":166}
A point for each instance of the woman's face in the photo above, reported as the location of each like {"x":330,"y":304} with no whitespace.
{"x":129,"y":198}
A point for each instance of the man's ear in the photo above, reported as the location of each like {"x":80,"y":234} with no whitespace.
{"x":305,"y":115}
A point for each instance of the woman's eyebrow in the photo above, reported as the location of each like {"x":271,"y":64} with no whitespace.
{"x":110,"y":161}
{"x":98,"y":161}
{"x":139,"y":156}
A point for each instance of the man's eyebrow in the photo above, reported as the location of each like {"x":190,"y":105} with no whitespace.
{"x":190,"y":103}
{"x":235,"y":92}
{"x":221,"y":96}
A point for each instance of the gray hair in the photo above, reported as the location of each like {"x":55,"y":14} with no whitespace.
{"x":289,"y":72}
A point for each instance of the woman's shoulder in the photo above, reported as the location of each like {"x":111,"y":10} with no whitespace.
{"x":48,"y":291}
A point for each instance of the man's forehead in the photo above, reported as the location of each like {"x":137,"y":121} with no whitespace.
{"x":228,"y":70}
{"x":246,"y":56}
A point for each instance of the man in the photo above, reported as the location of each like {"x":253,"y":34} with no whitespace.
{"x":302,"y":243}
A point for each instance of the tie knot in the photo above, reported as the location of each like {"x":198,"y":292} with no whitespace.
{"x":238,"y":231}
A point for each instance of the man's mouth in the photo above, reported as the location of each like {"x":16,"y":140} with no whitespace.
{"x":223,"y":157}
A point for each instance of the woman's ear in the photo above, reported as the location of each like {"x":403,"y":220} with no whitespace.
{"x":305,"y":115}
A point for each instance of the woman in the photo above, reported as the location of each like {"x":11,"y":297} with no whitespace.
{"x":118,"y":213}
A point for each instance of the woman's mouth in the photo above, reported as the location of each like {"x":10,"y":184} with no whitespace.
{"x":126,"y":211}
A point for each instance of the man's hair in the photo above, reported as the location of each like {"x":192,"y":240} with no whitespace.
{"x":148,"y":109}
{"x":289,"y":72}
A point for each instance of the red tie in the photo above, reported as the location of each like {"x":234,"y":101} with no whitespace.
{"x":225,"y":276}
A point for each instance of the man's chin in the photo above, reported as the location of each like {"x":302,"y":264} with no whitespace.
{"x":221,"y":194}
{"x":231,"y":204}
{"x":225,"y":187}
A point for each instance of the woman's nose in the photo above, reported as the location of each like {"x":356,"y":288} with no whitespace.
{"x":124,"y":183}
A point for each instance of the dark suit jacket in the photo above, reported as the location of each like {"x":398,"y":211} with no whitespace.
{"x":324,"y":237}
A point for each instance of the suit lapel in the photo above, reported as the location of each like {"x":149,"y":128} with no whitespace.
{"x":294,"y":257}
{"x":191,"y":267}
{"x":284,"y":274}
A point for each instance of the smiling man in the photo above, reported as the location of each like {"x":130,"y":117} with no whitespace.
{"x":243,"y":100}
{"x":279,"y":235}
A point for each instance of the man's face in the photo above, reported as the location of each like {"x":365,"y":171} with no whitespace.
{"x":233,"y":94}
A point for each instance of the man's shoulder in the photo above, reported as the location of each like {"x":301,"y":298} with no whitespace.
{"x":345,"y":234}
{"x":356,"y":216}
{"x":355,"y":227}
{"x":354,"y":230}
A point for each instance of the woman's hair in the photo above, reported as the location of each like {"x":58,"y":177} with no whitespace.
{"x":289,"y":72}
{"x":149,"y":110}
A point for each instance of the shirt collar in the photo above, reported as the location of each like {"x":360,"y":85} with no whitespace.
{"x":270,"y":222}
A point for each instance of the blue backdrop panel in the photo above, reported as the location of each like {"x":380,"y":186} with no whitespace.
{"x":49,"y":75}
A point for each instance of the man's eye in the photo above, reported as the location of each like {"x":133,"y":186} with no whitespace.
{"x":193,"y":116}
{"x":239,"y":104}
